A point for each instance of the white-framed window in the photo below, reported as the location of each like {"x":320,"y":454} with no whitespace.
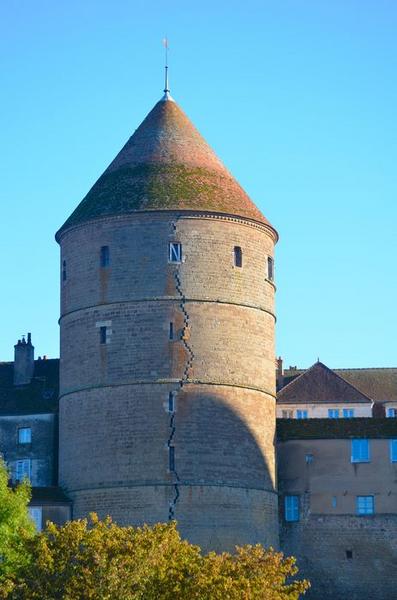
{"x":270,"y":268}
{"x":365,"y":505}
{"x":36,"y":514}
{"x":333,"y":413}
{"x":24,"y":435}
{"x":360,"y":451}
{"x":287,"y":414}
{"x":175,"y":252}
{"x":23,"y":469}
{"x":348,"y":413}
{"x":391,"y":412}
{"x":291,"y":508}
{"x":393,"y":450}
{"x":301,"y":414}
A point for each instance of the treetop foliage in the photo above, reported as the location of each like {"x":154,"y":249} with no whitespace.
{"x":16,"y":527}
{"x":90,"y":559}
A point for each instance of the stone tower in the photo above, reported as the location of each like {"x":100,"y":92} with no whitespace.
{"x":167,"y":382}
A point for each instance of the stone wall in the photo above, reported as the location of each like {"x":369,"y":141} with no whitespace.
{"x":345,"y":556}
{"x":41,"y":451}
{"x":116,"y":432}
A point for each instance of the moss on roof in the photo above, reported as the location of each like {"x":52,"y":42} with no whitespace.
{"x":165,"y":165}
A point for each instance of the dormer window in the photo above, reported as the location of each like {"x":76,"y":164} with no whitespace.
{"x":238,"y":256}
{"x":174,"y":252}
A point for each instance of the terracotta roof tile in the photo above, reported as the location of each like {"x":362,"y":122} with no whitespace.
{"x":165,"y":165}
{"x":320,"y":384}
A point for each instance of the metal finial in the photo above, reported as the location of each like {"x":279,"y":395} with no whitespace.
{"x":166,"y":82}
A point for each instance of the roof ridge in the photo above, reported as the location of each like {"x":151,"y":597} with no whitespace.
{"x":296,"y":379}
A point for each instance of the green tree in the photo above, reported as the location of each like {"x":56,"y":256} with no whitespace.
{"x":16,"y":527}
{"x":98,"y":560}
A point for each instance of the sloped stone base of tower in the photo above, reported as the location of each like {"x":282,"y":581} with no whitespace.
{"x":214,"y":517}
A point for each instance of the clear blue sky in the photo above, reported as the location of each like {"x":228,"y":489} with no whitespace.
{"x":297,"y":97}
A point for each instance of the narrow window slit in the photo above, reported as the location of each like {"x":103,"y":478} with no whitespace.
{"x":270,"y":268}
{"x":64,"y":274}
{"x":171,"y":402}
{"x":103,"y":335}
{"x":171,"y":331}
{"x":171,"y":457}
{"x":104,"y":256}
{"x":238,"y":256}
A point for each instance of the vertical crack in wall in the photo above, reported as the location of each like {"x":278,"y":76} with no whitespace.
{"x":171,"y":512}
{"x":185,"y":334}
{"x":185,"y":331}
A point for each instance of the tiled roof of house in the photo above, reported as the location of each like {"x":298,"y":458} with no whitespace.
{"x":38,"y":397}
{"x":379,"y":384}
{"x":320,"y":384}
{"x":165,"y":165}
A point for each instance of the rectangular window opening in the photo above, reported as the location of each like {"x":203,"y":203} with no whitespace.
{"x":287,"y":414}
{"x":171,"y":331}
{"x":238,"y":256}
{"x":24,"y":435}
{"x":291,"y":508}
{"x":333,"y":413}
{"x":175,"y":252}
{"x":105,"y":256}
{"x":360,"y":451}
{"x":301,"y":414}
{"x":393,"y":450}
{"x":171,"y":458}
{"x":348,"y":413}
{"x":36,"y":514}
{"x":103,"y":335}
{"x":171,"y":402}
{"x":23,"y":469}
{"x":349,"y":554}
{"x":270,"y":268}
{"x":365,"y":505}
{"x":391,"y":412}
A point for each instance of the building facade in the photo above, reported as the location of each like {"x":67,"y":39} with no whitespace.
{"x":163,"y":403}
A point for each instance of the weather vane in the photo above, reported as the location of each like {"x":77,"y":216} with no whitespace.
{"x":166,"y":46}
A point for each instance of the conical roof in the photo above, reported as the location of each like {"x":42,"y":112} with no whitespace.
{"x":165,"y":165}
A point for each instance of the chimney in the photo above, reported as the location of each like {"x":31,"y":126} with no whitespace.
{"x":23,"y":361}
{"x":279,"y":373}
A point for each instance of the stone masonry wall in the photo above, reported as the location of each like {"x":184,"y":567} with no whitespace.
{"x":116,"y":431}
{"x":323,"y":545}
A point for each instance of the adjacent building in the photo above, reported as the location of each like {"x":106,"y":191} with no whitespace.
{"x":29,"y":391}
